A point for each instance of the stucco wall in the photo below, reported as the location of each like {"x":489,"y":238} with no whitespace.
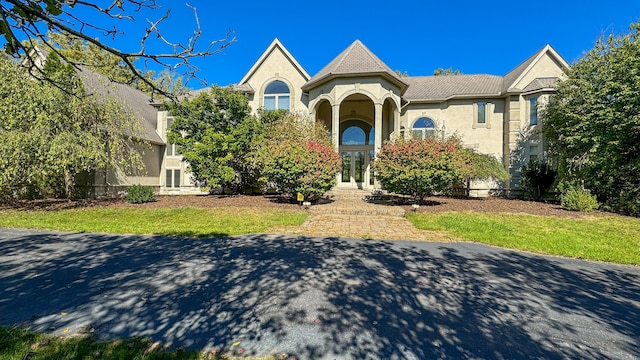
{"x":277,"y":66}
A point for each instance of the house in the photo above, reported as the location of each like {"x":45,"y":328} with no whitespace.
{"x":364,"y":103}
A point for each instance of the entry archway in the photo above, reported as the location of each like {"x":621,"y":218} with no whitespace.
{"x":357,"y":138}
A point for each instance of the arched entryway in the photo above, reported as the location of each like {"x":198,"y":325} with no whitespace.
{"x":357,"y":139}
{"x":359,"y":122}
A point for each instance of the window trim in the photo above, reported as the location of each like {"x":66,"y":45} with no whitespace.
{"x":425,"y":131}
{"x":534,"y":118}
{"x":488,"y":109}
{"x":175,"y":174}
{"x":277,"y":96}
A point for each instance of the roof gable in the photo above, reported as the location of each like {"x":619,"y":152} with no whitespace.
{"x":512,"y":78}
{"x":275,"y":45}
{"x":356,"y":59}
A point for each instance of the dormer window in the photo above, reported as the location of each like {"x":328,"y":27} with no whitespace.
{"x":277,"y":96}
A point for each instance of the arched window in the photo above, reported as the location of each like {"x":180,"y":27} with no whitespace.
{"x":353,"y":135}
{"x":277,"y":96}
{"x":423,"y":128}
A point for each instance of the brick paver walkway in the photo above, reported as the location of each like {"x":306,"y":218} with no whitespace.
{"x":348,"y":215}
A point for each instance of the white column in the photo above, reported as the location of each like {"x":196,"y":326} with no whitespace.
{"x":396,"y":122}
{"x":378,"y":127}
{"x":335,"y":126}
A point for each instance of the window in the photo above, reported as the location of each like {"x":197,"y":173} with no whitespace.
{"x":277,"y":96}
{"x":533,"y":111}
{"x":423,"y":128}
{"x":482,"y":113}
{"x":353,"y":135}
{"x":533,"y":152}
{"x":171,"y":148}
{"x":173,"y":178}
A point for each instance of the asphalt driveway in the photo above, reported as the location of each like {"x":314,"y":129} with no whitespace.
{"x":322,"y":297}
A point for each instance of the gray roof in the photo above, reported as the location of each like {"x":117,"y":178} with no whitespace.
{"x":440,"y":88}
{"x":357,"y":59}
{"x":542,"y":83}
{"x":514,"y":74}
{"x":137,"y":102}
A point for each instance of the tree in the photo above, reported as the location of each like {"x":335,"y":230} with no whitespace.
{"x":298,"y":157}
{"x":421,"y":167}
{"x":217,"y":135}
{"x":26,"y":20}
{"x":445,"y":72}
{"x":49,"y":135}
{"x":592,"y":124}
{"x":81,"y":52}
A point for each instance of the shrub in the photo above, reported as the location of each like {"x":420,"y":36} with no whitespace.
{"x":537,"y":178}
{"x":138,"y":194}
{"x":577,"y":199}
{"x":420,"y":167}
{"x":298,"y":157}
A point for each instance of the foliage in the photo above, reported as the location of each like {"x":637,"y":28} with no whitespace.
{"x":537,"y":178}
{"x":421,"y":167}
{"x":23,"y":23}
{"x":483,"y":167}
{"x":78,"y":51}
{"x":445,"y":72}
{"x":51,"y":134}
{"x":139,"y":194}
{"x":183,"y":221}
{"x":218,"y":137}
{"x":298,"y":157}
{"x":602,"y":238}
{"x":593,"y":122}
{"x":578,"y":200}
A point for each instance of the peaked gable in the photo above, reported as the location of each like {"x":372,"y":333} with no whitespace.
{"x":513,"y":78}
{"x":275,"y":45}
{"x":356,"y":59}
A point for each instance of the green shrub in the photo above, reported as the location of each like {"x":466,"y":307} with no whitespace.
{"x":576,"y":199}
{"x":138,"y":194}
{"x":420,"y":167}
{"x":298,"y":157}
{"x":537,"y":179}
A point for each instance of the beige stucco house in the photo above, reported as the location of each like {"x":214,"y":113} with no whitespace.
{"x":364,"y":103}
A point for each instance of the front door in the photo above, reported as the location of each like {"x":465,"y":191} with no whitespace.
{"x":355,"y":168}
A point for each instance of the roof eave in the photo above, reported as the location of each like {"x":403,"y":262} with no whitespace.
{"x":457,"y":97}
{"x":329,"y":76}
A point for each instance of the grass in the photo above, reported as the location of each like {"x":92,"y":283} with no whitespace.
{"x":607,"y":238}
{"x":184,"y":221}
{"x":20,"y":344}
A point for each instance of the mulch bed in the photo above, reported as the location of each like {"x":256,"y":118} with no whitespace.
{"x":438,"y":204}
{"x":435,"y":204}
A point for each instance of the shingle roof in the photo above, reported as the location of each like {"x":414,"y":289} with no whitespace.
{"x":355,"y":60}
{"x":440,"y":88}
{"x":542,"y":83}
{"x":137,"y":101}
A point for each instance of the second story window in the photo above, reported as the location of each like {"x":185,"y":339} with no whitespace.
{"x":277,"y":96}
{"x":533,"y":111}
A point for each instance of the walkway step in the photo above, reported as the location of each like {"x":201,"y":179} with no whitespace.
{"x":352,"y":202}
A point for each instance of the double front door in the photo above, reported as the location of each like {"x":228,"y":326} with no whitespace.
{"x":356,"y":167}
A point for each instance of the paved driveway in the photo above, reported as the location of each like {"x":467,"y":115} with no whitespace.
{"x":322,"y":297}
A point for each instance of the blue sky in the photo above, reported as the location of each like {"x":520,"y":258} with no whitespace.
{"x":489,"y":37}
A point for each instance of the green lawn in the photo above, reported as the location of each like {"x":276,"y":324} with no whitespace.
{"x":184,"y":221}
{"x":602,"y":238}
{"x":19,"y":344}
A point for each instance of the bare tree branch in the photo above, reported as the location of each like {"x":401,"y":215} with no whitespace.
{"x":26,"y":20}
